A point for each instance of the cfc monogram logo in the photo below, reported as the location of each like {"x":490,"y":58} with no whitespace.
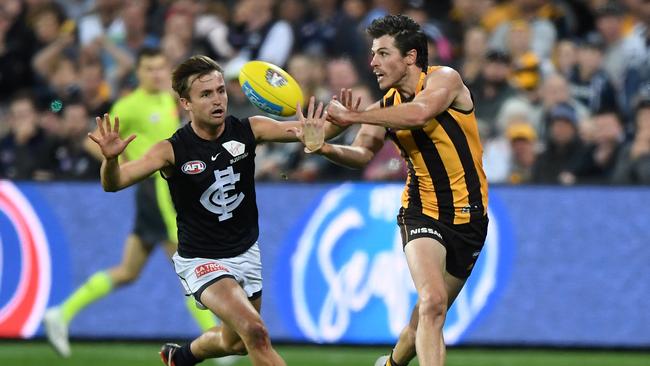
{"x":216,"y":198}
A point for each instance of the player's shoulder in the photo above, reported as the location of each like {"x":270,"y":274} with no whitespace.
{"x":443,"y":75}
{"x":442,"y":71}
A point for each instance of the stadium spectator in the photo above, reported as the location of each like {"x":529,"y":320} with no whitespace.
{"x":636,"y":54}
{"x":565,"y":57}
{"x":589,"y":83}
{"x":473,"y":55}
{"x":562,"y":147}
{"x":257,"y":34}
{"x":609,"y":24}
{"x":633,"y":165}
{"x":492,"y":88}
{"x":596,"y":163}
{"x":531,"y":17}
{"x":16,"y":50}
{"x":74,"y":162}
{"x":26,"y":152}
{"x":523,"y":142}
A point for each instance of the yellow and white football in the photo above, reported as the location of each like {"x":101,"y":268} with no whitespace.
{"x":270,"y":88}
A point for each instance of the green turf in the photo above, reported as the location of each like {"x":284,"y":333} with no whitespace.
{"x":14,"y":353}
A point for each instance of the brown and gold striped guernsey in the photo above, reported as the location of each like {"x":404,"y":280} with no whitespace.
{"x":445,"y":171}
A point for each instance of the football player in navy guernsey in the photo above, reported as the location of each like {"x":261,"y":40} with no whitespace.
{"x":209,"y":167}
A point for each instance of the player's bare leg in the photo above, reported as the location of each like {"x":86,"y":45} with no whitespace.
{"x":242,"y":329}
{"x":134,"y":257}
{"x":426,"y":260}
{"x":404,"y":350}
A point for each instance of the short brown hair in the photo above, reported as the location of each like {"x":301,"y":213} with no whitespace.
{"x":198,"y":65}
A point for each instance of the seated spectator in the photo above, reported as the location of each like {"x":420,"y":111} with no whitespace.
{"x":633,"y":165}
{"x":491,"y":89}
{"x":562,"y":148}
{"x":596,"y":163}
{"x":590,"y":84}
{"x":26,"y":152}
{"x":72,"y":160}
{"x":523,"y":140}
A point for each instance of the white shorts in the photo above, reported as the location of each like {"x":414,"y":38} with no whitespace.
{"x":196,"y":274}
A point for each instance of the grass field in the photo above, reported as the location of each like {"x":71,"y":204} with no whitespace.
{"x":14,"y":353}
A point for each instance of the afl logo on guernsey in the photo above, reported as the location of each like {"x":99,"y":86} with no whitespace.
{"x":25,"y":265}
{"x":350,"y":281}
{"x":193,"y":167}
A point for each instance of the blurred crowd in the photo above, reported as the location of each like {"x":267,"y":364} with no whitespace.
{"x":561,"y":88}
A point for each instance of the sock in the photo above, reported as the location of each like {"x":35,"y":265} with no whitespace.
{"x":392,"y":362}
{"x":96,"y":287}
{"x":203,"y":318}
{"x":184,"y":356}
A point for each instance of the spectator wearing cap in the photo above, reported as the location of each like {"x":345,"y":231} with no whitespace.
{"x":633,"y":165}
{"x":491,"y":89}
{"x":562,"y":148}
{"x":589,"y":83}
{"x":523,"y":142}
{"x":597,"y":161}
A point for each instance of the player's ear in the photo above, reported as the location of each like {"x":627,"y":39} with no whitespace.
{"x":186,"y":104}
{"x":411,"y":56}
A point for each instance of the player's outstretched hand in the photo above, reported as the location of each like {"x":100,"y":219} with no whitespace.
{"x":109,"y":138}
{"x":339,"y":107}
{"x":311,"y":133}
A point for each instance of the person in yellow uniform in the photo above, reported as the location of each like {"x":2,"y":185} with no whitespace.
{"x":151,"y":113}
{"x":428,"y":112}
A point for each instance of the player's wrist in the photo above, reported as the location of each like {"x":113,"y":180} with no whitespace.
{"x":317,"y":151}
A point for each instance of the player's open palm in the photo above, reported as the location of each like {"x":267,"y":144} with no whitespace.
{"x":108,"y":137}
{"x":312,"y":134}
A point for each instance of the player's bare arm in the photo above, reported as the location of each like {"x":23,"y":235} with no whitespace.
{"x":369,"y":140}
{"x":268,"y":129}
{"x":116,"y":176}
{"x":443,"y":88}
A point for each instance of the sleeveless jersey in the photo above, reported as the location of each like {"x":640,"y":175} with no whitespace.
{"x":213,"y":190}
{"x":445,"y":179}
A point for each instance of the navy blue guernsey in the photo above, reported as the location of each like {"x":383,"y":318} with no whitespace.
{"x":213,"y":190}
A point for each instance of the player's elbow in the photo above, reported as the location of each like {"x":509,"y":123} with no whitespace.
{"x":109,"y":188}
{"x":419,"y":116}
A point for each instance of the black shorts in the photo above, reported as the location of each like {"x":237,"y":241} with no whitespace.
{"x":149,"y":223}
{"x":463,"y":241}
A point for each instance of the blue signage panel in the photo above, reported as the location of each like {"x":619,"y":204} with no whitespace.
{"x":560,"y":266}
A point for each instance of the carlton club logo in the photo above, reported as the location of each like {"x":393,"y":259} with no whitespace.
{"x":349,"y":277}
{"x":25,"y":265}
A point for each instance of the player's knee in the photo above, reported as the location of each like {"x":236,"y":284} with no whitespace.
{"x":231,"y":347}
{"x":433,"y":304}
{"x":237,"y":348}
{"x":256,"y":334}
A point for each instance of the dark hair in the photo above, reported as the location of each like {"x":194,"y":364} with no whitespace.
{"x":148,"y":52}
{"x":198,"y":65}
{"x":407,"y":34}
